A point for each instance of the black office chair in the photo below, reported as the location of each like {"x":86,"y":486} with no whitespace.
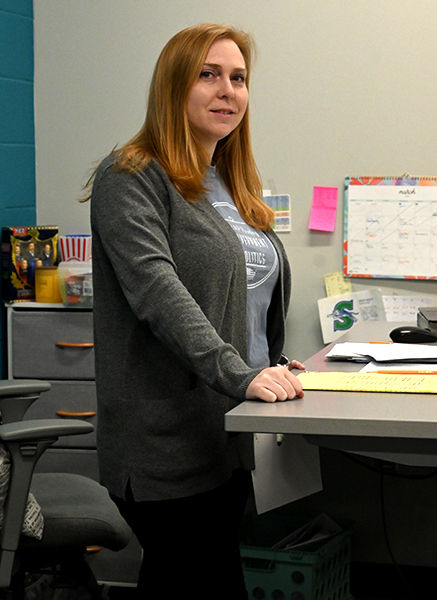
{"x":77,"y":511}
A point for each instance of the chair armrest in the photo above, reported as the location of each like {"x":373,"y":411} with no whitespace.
{"x":43,"y":429}
{"x":16,"y":395}
{"x":20,"y":387}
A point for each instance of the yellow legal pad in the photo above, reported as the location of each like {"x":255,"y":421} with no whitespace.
{"x":369,"y":382}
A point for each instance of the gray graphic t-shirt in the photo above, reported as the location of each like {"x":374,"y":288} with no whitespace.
{"x":262,"y":268}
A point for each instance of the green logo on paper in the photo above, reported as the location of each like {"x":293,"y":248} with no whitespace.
{"x":343,"y":316}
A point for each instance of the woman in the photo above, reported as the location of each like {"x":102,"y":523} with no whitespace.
{"x":191,"y":289}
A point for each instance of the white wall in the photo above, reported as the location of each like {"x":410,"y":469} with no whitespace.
{"x":341,"y":87}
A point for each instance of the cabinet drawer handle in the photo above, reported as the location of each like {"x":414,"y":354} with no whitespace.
{"x":70,"y":345}
{"x":79,"y":415}
{"x":91,"y":549}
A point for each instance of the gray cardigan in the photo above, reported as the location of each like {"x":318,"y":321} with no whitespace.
{"x":170,"y":336}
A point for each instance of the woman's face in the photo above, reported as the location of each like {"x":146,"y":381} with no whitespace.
{"x":218,"y":99}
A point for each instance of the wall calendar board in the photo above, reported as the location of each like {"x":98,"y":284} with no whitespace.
{"x":390,"y":227}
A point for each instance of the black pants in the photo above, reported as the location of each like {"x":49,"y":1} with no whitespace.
{"x":191,"y":545}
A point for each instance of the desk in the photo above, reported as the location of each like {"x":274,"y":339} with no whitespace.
{"x":397,"y":427}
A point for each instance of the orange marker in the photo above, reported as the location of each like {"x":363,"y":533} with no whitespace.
{"x":393,"y":372}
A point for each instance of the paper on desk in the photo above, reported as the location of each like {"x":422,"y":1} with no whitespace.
{"x":403,"y":366}
{"x":284,"y":473}
{"x":413,"y":353}
{"x":368,"y":382}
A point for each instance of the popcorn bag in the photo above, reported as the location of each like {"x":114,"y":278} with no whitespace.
{"x":75,"y":248}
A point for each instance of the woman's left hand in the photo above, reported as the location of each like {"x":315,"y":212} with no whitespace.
{"x":274,"y":383}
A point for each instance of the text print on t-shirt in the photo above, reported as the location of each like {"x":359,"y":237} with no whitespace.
{"x":260,"y":254}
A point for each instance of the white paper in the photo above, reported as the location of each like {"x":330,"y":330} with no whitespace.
{"x":284,"y":473}
{"x":384,"y":352}
{"x":375,"y":366}
{"x":405,"y":308}
{"x":338,"y":314}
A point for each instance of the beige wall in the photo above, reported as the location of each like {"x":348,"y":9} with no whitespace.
{"x":341,"y":87}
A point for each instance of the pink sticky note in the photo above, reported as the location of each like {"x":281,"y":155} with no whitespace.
{"x":324,"y":208}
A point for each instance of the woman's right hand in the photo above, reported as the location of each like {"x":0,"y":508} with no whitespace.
{"x":274,"y":384}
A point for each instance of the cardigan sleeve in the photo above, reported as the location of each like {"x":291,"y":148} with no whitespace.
{"x":130,"y":223}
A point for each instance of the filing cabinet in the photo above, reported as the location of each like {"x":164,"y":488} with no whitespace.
{"x":55,"y":343}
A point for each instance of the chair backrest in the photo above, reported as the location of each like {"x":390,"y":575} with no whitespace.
{"x":25,"y":442}
{"x":16,"y":395}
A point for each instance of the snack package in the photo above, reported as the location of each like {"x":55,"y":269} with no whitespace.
{"x":75,"y":282}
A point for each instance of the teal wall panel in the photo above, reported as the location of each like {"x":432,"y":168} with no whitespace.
{"x":16,"y":112}
{"x":18,"y":7}
{"x":16,"y":47}
{"x":17,"y":176}
{"x":17,"y":136}
{"x":21,"y":216}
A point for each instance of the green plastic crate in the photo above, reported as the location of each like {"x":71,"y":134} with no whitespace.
{"x":322,"y":574}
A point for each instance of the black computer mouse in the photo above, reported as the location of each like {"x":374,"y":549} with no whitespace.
{"x":412,"y":335}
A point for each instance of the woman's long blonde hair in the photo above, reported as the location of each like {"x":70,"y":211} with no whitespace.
{"x":166,"y":134}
